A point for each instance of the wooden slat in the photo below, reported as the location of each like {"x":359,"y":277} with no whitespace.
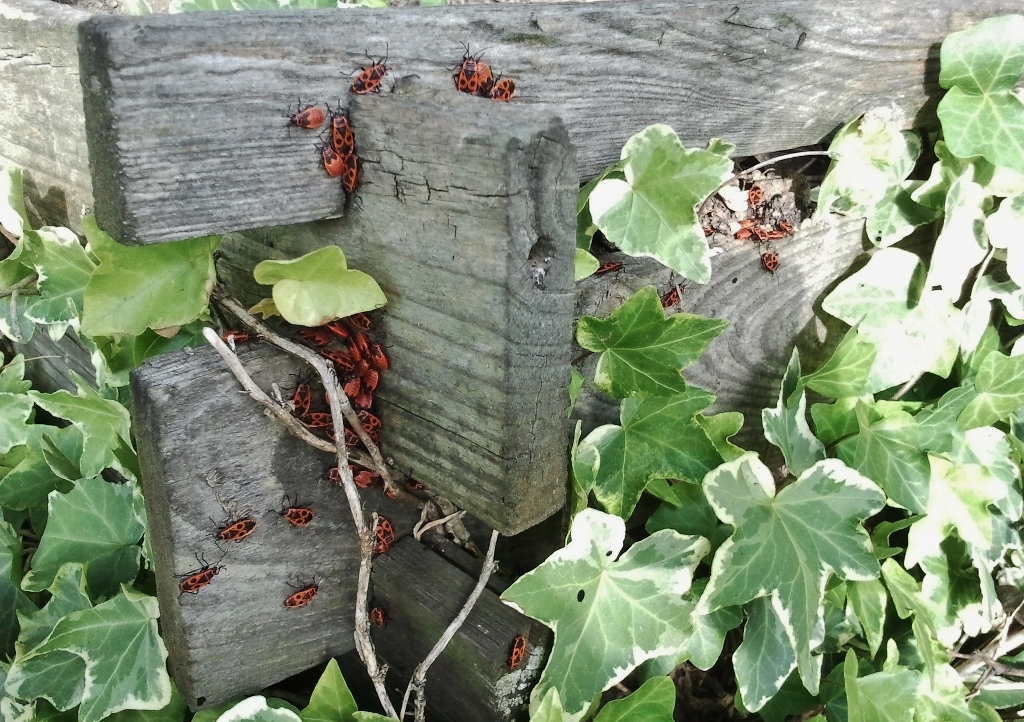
{"x":41,"y":125}
{"x":470,"y":681}
{"x":466,"y":221}
{"x":185,"y":112}
{"x":767,"y":317}
{"x":199,"y":438}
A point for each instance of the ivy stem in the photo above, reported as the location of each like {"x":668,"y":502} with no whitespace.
{"x":418,"y":682}
{"x":762,"y":164}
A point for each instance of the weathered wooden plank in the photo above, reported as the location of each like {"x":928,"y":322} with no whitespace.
{"x":203,"y":446}
{"x":185,"y":112}
{"x":466,"y":221}
{"x":767,"y":317}
{"x":41,"y":125}
{"x":470,"y":681}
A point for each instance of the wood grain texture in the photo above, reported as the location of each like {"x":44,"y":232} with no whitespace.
{"x":466,"y":220}
{"x":41,"y":126}
{"x":185,"y":112}
{"x":767,"y":317}
{"x":199,"y":439}
{"x":470,"y":681}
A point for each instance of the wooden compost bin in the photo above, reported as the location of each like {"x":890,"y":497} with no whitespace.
{"x":169,"y":127}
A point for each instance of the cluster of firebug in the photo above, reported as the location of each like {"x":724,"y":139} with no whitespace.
{"x":474,"y":77}
{"x":384,"y":535}
{"x":755,"y":228}
{"x":338,"y":151}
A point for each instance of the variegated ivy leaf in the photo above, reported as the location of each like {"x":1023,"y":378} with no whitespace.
{"x":653,"y":211}
{"x":962,"y":243}
{"x":67,"y":596}
{"x":1005,"y":229}
{"x":1000,"y":386}
{"x":847,"y":370}
{"x":584,"y":594}
{"x":982,"y":114}
{"x":906,"y":598}
{"x":642,"y":352}
{"x":786,"y":545}
{"x":586,"y":264}
{"x":103,"y":659}
{"x":12,"y":600}
{"x":786,"y":427}
{"x":886,"y":696}
{"x":64,"y":270}
{"x":654,"y":701}
{"x":13,"y":217}
{"x":765,"y":657}
{"x":257,"y":709}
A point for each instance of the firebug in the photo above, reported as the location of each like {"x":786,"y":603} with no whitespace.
{"x":341,"y":358}
{"x":319,"y":337}
{"x":608,"y":267}
{"x":319,"y":420}
{"x":378,"y":357}
{"x":517,"y":653}
{"x":360,"y":321}
{"x":350,"y":172}
{"x":237,"y":530}
{"x":377,"y":615}
{"x":310,"y":117}
{"x":503,"y":90}
{"x":333,"y":163}
{"x":770,"y":261}
{"x":297,"y":514}
{"x":302,"y":597}
{"x":369,"y":79}
{"x":384,"y":536}
{"x":193,"y":581}
{"x":338,"y":329}
{"x":343,"y":140}
{"x":472,"y":74}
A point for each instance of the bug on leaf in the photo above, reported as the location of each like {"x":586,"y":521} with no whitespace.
{"x":237,"y":530}
{"x":310,"y":117}
{"x":517,"y":652}
{"x":193,"y":581}
{"x":297,"y":514}
{"x":369,"y":79}
{"x":608,"y":267}
{"x":472,"y":75}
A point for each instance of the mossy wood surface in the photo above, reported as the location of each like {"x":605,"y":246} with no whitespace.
{"x":186,"y":112}
{"x":471,"y":680}
{"x":209,"y":455}
{"x":466,"y":220}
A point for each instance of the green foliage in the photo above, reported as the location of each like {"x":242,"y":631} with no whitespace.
{"x":319,"y":287}
{"x":331,"y":700}
{"x":652,"y":210}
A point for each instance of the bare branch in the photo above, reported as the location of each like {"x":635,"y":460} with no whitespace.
{"x":419,"y":678}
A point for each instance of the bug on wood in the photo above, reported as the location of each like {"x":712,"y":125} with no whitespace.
{"x":237,"y":530}
{"x":301,"y":399}
{"x":377,"y":615}
{"x":608,"y":267}
{"x":232,"y":337}
{"x":334,"y":474}
{"x":770,"y":261}
{"x":350,"y":174}
{"x":517,"y":652}
{"x":755,"y":196}
{"x":362,"y":342}
{"x":193,"y":581}
{"x":338,"y":329}
{"x":360,"y":321}
{"x":341,"y":358}
{"x":319,"y":420}
{"x":370,"y":422}
{"x":473,"y":75}
{"x":369,"y":79}
{"x":310,"y":117}
{"x":297,"y":514}
{"x":302,"y":597}
{"x":365,"y":479}
{"x":761,"y":233}
{"x":351,"y":438}
{"x":670,"y":299}
{"x":743,"y":234}
{"x":352,"y":387}
{"x":363,"y":400}
{"x":708,"y":230}
{"x":343,"y":139}
{"x":318,"y":337}
{"x":385,"y":536}
{"x":503,"y":90}
{"x":378,"y":357}
{"x":333,"y":163}
{"x":370,"y":379}
{"x":785,"y":226}
{"x":413,"y":485}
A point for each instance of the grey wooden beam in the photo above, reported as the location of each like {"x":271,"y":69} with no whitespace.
{"x":185,"y":112}
{"x":467,"y":223}
{"x":203,"y":442}
{"x":41,"y":126}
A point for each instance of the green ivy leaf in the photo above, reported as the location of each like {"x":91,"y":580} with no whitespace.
{"x":98,"y":524}
{"x":882,"y":696}
{"x":653,"y":211}
{"x":765,"y":657}
{"x":103,"y":423}
{"x":786,"y":544}
{"x":12,"y":376}
{"x":642,"y":352}
{"x":654,"y":701}
{"x":1000,"y":385}
{"x":260,"y":709}
{"x":871,"y":157}
{"x":687,"y":511}
{"x":847,"y":370}
{"x":26,"y":486}
{"x":658,"y":439}
{"x":833,"y":422}
{"x":104,"y":659}
{"x":64,"y":270}
{"x":940,"y":698}
{"x":981,"y":114}
{"x":161,"y":285}
{"x":67,"y":596}
{"x":888,"y":451}
{"x":15,"y":410}
{"x":720,"y":428}
{"x":786,"y":427}
{"x":331,"y":700}
{"x":583,"y":593}
{"x":374,"y":717}
{"x":319,"y":287}
{"x":586,"y":264}
{"x":868,"y":600}
{"x":12,"y":600}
